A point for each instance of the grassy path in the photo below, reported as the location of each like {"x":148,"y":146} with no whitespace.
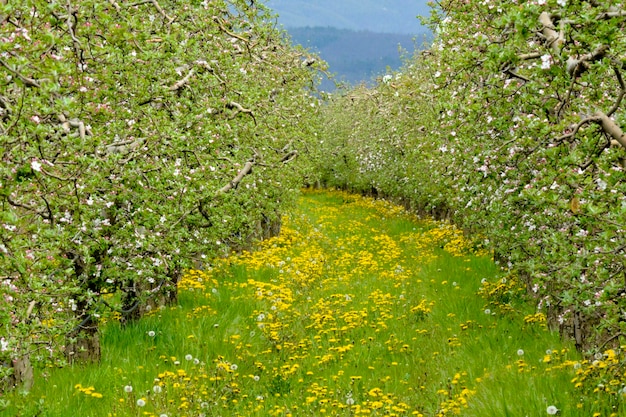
{"x":356,"y":309}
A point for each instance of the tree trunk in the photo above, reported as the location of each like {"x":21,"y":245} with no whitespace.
{"x":164,"y":293}
{"x":21,"y":377}
{"x":270,"y":227}
{"x":83,"y":343}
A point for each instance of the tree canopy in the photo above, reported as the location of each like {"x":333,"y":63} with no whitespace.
{"x":137,"y":139}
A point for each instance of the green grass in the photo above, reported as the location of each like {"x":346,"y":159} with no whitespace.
{"x":356,"y":309}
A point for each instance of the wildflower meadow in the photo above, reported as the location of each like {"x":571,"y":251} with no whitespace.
{"x":357,"y":308}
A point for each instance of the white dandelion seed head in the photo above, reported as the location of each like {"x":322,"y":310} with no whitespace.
{"x":128,"y":388}
{"x":520,"y":352}
{"x":151,"y":333}
{"x":552,"y":410}
{"x":157,"y":389}
{"x":188,"y":357}
{"x":141,"y":402}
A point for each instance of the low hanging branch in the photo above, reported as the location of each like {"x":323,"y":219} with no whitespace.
{"x":182,"y":82}
{"x":247,"y":168}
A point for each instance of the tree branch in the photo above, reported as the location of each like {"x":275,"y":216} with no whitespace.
{"x":78,"y":48}
{"x":554,"y":39}
{"x":576,"y":67}
{"x":240,"y":109}
{"x":576,"y":128}
{"x":29,"y":82}
{"x":179,"y":84}
{"x":289,"y":157}
{"x":611,"y":128}
{"x":612,"y":13}
{"x":247,"y":168}
{"x":156,"y":4}
{"x":160,"y":9}
{"x":532,"y":55}
{"x":114,"y":4}
{"x":229,"y":33}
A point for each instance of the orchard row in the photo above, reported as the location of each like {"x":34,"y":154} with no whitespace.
{"x":138,"y":139}
{"x":511,"y":125}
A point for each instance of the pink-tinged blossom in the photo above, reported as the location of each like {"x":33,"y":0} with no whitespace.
{"x":36,"y":166}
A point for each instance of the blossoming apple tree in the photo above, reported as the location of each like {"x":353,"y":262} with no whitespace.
{"x":512,"y":124}
{"x":137,"y":139}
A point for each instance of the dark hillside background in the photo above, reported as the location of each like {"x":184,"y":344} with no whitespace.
{"x":355,"y":56}
{"x":360,"y":39}
{"x":383,"y":16}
